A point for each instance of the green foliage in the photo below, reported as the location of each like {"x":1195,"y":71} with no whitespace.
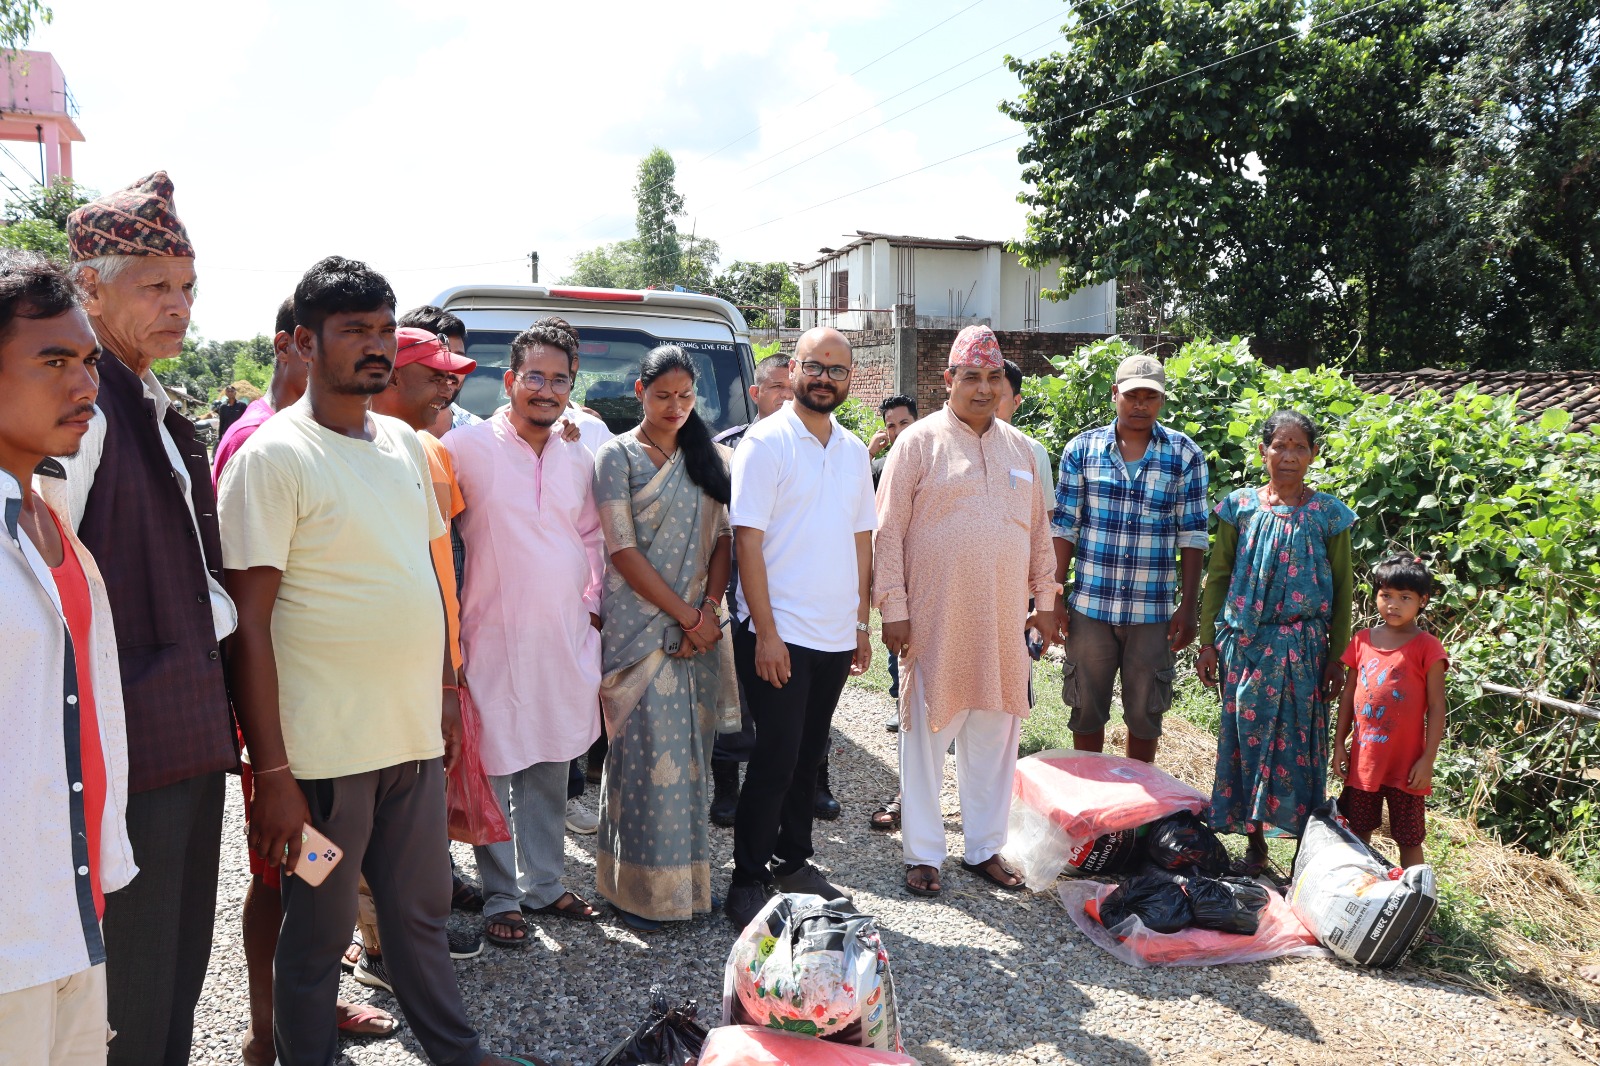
{"x":1505,"y":509}
{"x":610,"y":266}
{"x":659,"y":206}
{"x":760,"y":285}
{"x":1412,"y":182}
{"x":858,"y":418}
{"x":18,"y":18}
{"x":36,"y":221}
{"x":204,"y":367}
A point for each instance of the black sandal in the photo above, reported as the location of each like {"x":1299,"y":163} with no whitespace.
{"x":510,"y":919}
{"x":576,"y":911}
{"x":925,"y":890}
{"x":886,"y":819}
{"x":466,"y":897}
{"x":986,"y":870}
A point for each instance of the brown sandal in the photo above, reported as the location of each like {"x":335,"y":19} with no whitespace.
{"x":512,"y":920}
{"x":995,"y":871}
{"x":931,"y":884}
{"x":886,"y":819}
{"x":576,"y":909}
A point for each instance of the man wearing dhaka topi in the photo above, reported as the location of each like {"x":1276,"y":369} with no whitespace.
{"x":963,"y":541}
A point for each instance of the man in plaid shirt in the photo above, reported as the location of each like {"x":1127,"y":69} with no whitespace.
{"x":1130,"y":503}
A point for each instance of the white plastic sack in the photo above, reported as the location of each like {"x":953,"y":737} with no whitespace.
{"x":1354,"y":900}
{"x":807,"y":967}
{"x":1063,"y":801}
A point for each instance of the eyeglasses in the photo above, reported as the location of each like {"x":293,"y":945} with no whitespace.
{"x":812,"y":369}
{"x":535,"y":381}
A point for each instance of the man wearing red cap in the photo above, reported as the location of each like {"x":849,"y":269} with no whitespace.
{"x":960,"y":487}
{"x":140,"y":496}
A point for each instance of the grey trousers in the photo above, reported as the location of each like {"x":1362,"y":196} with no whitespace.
{"x":158,"y":928}
{"x":1096,"y":652}
{"x":526,"y":870}
{"x":391,"y":825}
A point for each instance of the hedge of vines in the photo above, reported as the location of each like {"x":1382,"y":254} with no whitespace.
{"x":1505,"y":507}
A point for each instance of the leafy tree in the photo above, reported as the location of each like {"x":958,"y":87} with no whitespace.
{"x":37,"y":220}
{"x":659,"y":206}
{"x":610,"y":266}
{"x":203,"y":368}
{"x":1508,"y":221}
{"x":757,"y":285}
{"x":18,"y":19}
{"x":1268,"y":185}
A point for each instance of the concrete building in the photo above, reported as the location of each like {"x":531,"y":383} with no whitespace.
{"x":946,"y":284}
{"x":36,"y":107}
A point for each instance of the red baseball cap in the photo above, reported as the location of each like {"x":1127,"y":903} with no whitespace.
{"x":413,"y":345}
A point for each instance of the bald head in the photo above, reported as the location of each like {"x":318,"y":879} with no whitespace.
{"x":822,"y":339}
{"x":820,"y":371}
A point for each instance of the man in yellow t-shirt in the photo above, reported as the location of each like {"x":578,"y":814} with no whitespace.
{"x":338,"y":667}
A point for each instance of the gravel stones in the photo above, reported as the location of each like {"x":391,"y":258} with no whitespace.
{"x":983,"y":976}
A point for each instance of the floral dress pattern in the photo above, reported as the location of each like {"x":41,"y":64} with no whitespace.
{"x":1272,"y":648}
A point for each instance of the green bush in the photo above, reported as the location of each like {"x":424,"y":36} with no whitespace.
{"x":1504,"y":508}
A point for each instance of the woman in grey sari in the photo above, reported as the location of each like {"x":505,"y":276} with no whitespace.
{"x":662,"y":492}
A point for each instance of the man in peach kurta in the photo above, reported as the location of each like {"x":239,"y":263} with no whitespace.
{"x":963,"y":542}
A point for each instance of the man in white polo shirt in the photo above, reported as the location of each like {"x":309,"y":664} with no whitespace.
{"x":802,"y":509}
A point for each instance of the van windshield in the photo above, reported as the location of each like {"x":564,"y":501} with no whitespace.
{"x":608,"y":366}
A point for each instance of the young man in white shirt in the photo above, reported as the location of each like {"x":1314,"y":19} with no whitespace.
{"x":802,"y":509}
{"x":64,"y":763}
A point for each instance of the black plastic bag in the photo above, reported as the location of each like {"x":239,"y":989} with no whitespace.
{"x":1109,"y":854}
{"x":1182,"y":839}
{"x":1227,"y":904}
{"x":1156,"y":899}
{"x":669,"y":1037}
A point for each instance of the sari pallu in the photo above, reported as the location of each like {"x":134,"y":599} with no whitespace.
{"x":661,"y":712}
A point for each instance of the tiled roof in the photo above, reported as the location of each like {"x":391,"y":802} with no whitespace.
{"x":1575,"y":391}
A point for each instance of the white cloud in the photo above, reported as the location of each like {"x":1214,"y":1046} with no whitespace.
{"x":424,"y":137}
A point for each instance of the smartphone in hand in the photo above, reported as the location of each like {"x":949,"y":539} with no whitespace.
{"x":318,"y":856}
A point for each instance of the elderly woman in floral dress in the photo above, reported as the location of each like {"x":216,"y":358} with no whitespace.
{"x":1277,"y":599}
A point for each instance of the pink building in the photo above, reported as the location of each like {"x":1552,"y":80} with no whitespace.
{"x":37,"y":107}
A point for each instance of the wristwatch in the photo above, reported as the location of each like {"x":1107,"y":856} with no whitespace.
{"x":862,"y":627}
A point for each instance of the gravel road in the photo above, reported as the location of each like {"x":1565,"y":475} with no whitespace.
{"x":983,"y":976}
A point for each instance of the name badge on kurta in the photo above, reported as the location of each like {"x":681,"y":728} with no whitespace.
{"x":1021,"y":475}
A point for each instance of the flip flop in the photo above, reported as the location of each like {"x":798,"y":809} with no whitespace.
{"x":637,"y":922}
{"x":926,"y":892}
{"x":985,"y":870}
{"x":527,"y":1060}
{"x":515,"y":920}
{"x":355,"y":945}
{"x":576,"y":911}
{"x":369,"y":1015}
{"x":466,"y":897}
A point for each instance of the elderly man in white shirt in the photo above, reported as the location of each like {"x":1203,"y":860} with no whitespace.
{"x":802,"y":513}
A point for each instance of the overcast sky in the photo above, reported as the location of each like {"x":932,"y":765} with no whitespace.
{"x":442,"y":142}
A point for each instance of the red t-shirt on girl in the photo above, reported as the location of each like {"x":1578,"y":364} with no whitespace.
{"x":73,"y":587}
{"x":1391,"y":709}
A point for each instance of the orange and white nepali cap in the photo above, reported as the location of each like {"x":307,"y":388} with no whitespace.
{"x":977,"y":346}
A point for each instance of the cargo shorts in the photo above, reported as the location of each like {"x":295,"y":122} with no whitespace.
{"x":1095,"y":652}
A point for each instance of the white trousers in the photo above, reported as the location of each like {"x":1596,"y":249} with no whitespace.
{"x":986,"y":758}
{"x":60,"y":1023}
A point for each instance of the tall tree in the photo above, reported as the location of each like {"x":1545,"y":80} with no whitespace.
{"x":1269,"y":185}
{"x":1508,"y":219}
{"x":659,"y":205}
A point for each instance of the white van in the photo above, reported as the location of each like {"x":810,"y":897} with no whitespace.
{"x":616,"y":327}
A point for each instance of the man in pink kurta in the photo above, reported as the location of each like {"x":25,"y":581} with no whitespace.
{"x":530,"y":639}
{"x":963,"y":541}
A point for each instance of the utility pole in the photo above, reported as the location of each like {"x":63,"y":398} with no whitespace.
{"x":533,"y":258}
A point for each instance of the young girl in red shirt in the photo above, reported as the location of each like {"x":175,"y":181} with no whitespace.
{"x":1394,"y":704}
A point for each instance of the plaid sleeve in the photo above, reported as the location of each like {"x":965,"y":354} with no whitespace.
{"x":1066,"y":519}
{"x":1192,"y":500}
